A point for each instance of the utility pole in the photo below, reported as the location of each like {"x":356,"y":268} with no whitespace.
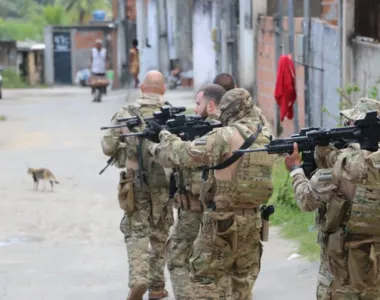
{"x":279,"y":44}
{"x":292,"y":52}
{"x":163,"y":49}
{"x":307,"y":61}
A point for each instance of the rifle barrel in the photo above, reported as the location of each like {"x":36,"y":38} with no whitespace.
{"x":251,"y":150}
{"x":132,"y":134}
{"x":113,"y":127}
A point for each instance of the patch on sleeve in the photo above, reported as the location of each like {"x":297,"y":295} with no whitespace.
{"x":200,"y":141}
{"x":325,"y":175}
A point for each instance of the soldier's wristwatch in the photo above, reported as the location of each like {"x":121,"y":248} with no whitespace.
{"x":295,"y":167}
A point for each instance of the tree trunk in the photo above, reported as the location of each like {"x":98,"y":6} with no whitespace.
{"x":81,"y":16}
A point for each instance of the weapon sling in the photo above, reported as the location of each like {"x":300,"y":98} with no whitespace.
{"x":247,"y":143}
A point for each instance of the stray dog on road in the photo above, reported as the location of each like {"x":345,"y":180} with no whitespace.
{"x":42,"y":174}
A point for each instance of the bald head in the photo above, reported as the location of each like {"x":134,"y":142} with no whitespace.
{"x":154,"y":82}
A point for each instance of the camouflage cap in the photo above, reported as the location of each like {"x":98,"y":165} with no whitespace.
{"x":361,"y":108}
{"x":235,"y":104}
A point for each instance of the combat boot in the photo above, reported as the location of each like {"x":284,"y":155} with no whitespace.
{"x":138,"y":290}
{"x":157,"y":294}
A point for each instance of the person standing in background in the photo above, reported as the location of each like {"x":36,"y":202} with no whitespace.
{"x":134,"y":62}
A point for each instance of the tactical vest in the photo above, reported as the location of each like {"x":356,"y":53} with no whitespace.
{"x":344,"y":227}
{"x":154,"y":173}
{"x":252,"y":184}
{"x":364,"y":218}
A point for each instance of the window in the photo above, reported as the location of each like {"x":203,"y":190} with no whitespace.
{"x":367,"y":21}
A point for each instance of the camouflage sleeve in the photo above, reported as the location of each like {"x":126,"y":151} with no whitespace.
{"x":113,"y":144}
{"x":207,"y":150}
{"x":358,"y":167}
{"x":309,"y":194}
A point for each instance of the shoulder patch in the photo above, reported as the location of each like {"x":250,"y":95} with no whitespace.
{"x":200,"y":141}
{"x":325,"y":175}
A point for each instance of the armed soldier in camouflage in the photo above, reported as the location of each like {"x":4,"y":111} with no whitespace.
{"x":228,"y":83}
{"x":190,"y":209}
{"x":143,"y":195}
{"x":228,"y":245}
{"x":346,"y":220}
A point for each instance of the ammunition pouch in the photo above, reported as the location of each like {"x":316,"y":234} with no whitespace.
{"x":188,"y":201}
{"x":126,"y":191}
{"x":336,"y":213}
{"x":362,"y":264}
{"x":207,"y":191}
{"x":224,"y":231}
{"x":352,"y":261}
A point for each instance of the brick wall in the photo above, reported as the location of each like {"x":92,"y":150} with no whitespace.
{"x":86,"y":39}
{"x":266,"y":74}
{"x":131,"y":9}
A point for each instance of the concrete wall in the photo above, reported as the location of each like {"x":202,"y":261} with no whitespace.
{"x":183,"y":36}
{"x":366,"y":65}
{"x":315,"y":5}
{"x":246,"y":46}
{"x":171,"y":8}
{"x":325,"y":54}
{"x":8,"y":55}
{"x":147,"y":31}
{"x":204,"y":54}
{"x":327,"y":10}
{"x":48,"y":57}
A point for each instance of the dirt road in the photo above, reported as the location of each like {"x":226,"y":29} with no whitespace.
{"x":67,"y":244}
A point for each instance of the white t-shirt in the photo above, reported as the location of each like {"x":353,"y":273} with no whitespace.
{"x":99,"y":60}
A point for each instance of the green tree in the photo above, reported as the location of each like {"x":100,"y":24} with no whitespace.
{"x":85,"y":7}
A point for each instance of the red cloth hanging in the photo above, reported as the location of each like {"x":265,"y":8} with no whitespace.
{"x":286,"y":93}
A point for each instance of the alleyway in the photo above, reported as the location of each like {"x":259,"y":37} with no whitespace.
{"x":67,"y":244}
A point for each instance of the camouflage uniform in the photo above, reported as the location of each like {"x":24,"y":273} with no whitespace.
{"x":185,"y":231}
{"x":227,"y":251}
{"x":259,"y":117}
{"x":148,"y":216}
{"x":354,"y":250}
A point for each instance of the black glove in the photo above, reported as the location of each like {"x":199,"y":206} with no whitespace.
{"x":153,"y":131}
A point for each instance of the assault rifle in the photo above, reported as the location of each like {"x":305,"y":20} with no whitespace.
{"x":365,"y":131}
{"x":186,"y":127}
{"x":160,"y":117}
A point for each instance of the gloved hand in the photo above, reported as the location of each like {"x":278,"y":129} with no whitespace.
{"x":153,"y":131}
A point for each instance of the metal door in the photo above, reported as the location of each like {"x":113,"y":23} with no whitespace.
{"x":62,"y":57}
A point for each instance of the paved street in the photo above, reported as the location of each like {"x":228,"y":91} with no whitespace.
{"x":67,"y":244}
